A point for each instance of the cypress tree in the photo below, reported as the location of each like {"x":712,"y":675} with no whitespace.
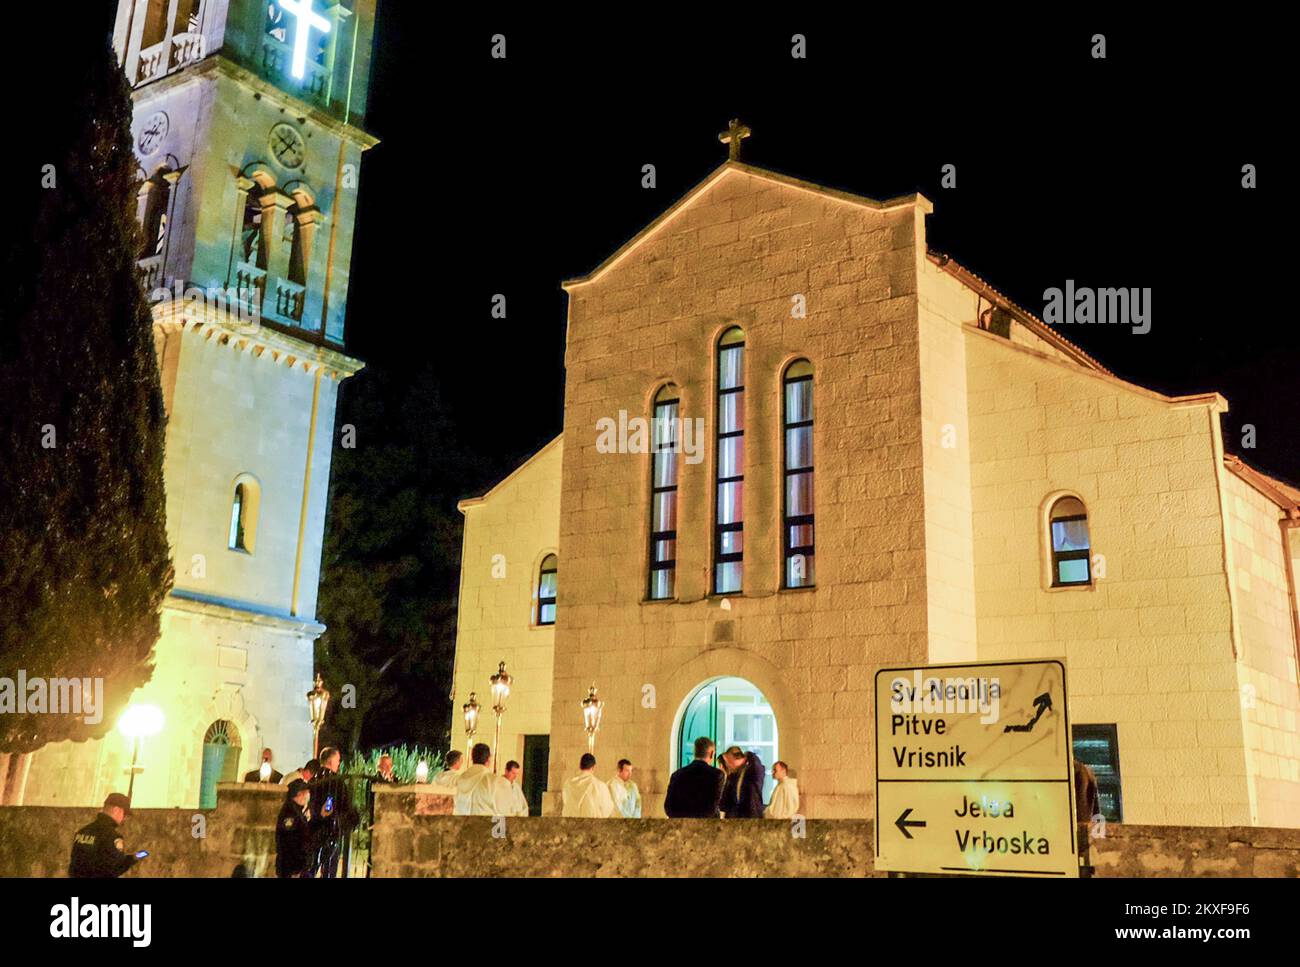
{"x":84,"y":558}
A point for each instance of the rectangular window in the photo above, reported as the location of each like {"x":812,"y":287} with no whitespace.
{"x":1097,"y":746}
{"x":663,"y":496}
{"x":799,"y":548}
{"x":729,"y":497}
{"x":1070,"y":551}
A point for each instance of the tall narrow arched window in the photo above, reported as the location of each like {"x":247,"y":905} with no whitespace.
{"x":252,"y":244}
{"x":663,"y":494}
{"x":1069,"y":543}
{"x":546,"y":584}
{"x":153,"y":221}
{"x":729,"y":466}
{"x":243,"y":514}
{"x":799,"y":549}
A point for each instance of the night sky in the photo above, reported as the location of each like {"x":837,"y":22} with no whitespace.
{"x":520,"y":174}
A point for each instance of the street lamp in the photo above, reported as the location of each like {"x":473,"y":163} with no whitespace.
{"x":592,"y":709}
{"x":500,"y":692}
{"x":470,"y":710}
{"x":318,"y":701}
{"x":136,"y":723}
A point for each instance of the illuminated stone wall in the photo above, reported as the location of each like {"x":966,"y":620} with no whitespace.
{"x":507,"y":533}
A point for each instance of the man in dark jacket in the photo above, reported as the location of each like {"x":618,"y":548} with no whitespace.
{"x":97,"y":849}
{"x":293,"y":842}
{"x":742,"y":790}
{"x":332,"y":814}
{"x":272,"y":774}
{"x":694,"y":790}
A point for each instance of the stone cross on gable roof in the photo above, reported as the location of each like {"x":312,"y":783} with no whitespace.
{"x":732,"y":138}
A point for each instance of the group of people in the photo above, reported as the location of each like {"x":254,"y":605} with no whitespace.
{"x":731,"y":789}
{"x":478,"y":790}
{"x":317,"y":815}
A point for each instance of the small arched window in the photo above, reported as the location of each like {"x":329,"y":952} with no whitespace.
{"x":243,"y":514}
{"x":799,"y":550}
{"x":252,"y":243}
{"x":546,"y":583}
{"x":663,"y":494}
{"x":153,"y":221}
{"x":729,"y":466}
{"x":1070,"y":545}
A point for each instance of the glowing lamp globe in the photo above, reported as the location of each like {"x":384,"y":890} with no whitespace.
{"x":141,"y":721}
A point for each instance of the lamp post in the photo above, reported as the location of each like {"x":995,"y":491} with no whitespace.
{"x":136,"y":723}
{"x":592,"y":709}
{"x":318,"y":701}
{"x":500,"y":692}
{"x":470,"y":710}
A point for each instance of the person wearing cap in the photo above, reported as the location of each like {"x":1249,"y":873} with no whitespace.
{"x":333,"y":817}
{"x":293,"y":839}
{"x":98,"y":851}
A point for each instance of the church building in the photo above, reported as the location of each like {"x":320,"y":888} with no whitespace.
{"x":859,"y":454}
{"x":249,"y":128}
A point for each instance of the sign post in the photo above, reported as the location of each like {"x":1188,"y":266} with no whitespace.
{"x":974,"y":770}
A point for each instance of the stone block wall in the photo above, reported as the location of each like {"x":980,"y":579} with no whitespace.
{"x":413,"y":837}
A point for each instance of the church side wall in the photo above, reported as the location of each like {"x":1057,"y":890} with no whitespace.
{"x":736,"y":255}
{"x":505,"y":538}
{"x":1270,"y":697}
{"x":945,"y":305}
{"x":1150,"y":643}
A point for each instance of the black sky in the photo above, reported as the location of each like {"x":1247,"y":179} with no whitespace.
{"x":1123,"y":172}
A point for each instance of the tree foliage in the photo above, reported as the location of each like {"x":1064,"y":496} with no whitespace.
{"x":84,"y":558}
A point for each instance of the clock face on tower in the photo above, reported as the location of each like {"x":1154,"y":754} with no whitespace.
{"x":152,"y":134}
{"x":287,"y":145}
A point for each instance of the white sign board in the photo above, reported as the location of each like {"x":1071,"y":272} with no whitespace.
{"x":974,"y":771}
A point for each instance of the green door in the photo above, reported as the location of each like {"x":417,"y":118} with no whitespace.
{"x":220,"y":761}
{"x":700,"y":718}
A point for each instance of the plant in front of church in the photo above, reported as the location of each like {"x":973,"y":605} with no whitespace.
{"x":406,"y":760}
{"x":84,"y":557}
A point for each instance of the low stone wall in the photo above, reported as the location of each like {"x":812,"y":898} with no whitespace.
{"x":1172,"y":851}
{"x":240,"y":832}
{"x":414,"y":837}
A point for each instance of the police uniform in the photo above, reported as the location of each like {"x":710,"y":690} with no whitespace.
{"x":293,"y":839}
{"x":98,"y":850}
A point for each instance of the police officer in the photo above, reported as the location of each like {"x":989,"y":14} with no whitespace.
{"x":293,"y":839}
{"x":97,"y":848}
{"x":332,"y":814}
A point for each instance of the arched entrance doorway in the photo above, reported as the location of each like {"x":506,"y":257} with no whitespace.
{"x":220,"y":760}
{"x":730,"y":711}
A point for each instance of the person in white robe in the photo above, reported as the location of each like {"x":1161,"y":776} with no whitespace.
{"x":626,"y":796}
{"x":585,"y":796}
{"x":510,"y":792}
{"x":785,"y":797}
{"x":452,"y":768}
{"x":476,"y":788}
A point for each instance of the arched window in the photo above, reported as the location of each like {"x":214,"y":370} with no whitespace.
{"x":729,"y":465}
{"x":243,"y":514}
{"x":1069,"y":544}
{"x":546,"y":582}
{"x":797,"y":420}
{"x":252,"y":244}
{"x":663,"y":494}
{"x":153,"y":223}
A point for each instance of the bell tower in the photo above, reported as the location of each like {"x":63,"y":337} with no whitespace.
{"x":248,"y":130}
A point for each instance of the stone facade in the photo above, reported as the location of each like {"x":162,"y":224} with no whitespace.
{"x":249,"y":349}
{"x":947,"y":423}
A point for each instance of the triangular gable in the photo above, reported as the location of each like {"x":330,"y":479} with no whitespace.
{"x":471,"y":501}
{"x":722,"y":171}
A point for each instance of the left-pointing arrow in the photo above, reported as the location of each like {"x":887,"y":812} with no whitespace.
{"x":903,"y":822}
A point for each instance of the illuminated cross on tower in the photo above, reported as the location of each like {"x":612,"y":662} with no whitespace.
{"x":731,"y":138}
{"x":307,"y":18}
